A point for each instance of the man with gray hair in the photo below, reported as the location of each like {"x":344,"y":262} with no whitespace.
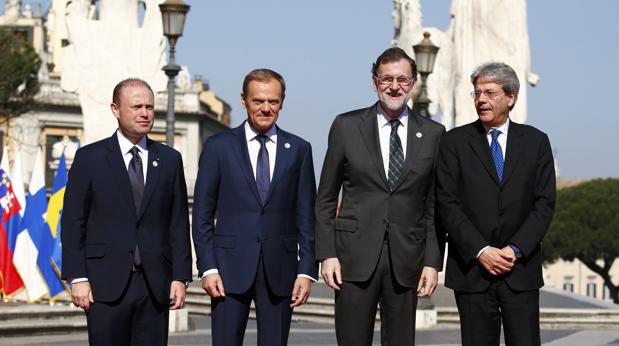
{"x":495,"y":198}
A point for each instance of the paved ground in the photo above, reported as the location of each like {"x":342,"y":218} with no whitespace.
{"x":316,"y":334}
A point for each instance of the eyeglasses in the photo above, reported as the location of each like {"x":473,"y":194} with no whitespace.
{"x":489,"y":93}
{"x":388,"y":80}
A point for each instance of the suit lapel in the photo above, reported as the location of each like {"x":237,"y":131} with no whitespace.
{"x":479,"y":144}
{"x":152,"y":174}
{"x":241,"y":154}
{"x":514,"y":149}
{"x":369,"y":132}
{"x":118,"y":172}
{"x":413,"y":145}
{"x":281,"y":160}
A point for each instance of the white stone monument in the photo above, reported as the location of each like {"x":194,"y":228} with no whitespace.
{"x":108,"y":44}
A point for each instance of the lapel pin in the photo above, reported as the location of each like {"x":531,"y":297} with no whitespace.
{"x":418,"y":134}
{"x":287,"y":145}
{"x":155,"y":164}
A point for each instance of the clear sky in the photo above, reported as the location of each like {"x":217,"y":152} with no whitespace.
{"x":325,"y":49}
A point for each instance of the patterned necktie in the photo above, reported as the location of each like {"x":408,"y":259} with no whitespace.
{"x":396,"y":155}
{"x":497,"y":153}
{"x":136,"y":177}
{"x":263,"y":174}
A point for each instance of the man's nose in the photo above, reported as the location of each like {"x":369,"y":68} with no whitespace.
{"x":264,"y":107}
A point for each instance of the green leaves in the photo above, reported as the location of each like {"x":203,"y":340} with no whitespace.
{"x":19,"y":65}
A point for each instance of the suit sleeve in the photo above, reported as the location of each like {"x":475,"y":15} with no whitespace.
{"x":534,"y":228}
{"x":433,"y":255}
{"x":75,"y":212}
{"x":179,"y":227}
{"x":306,"y":196}
{"x":331,"y":179}
{"x":458,"y":227}
{"x":205,"y":196}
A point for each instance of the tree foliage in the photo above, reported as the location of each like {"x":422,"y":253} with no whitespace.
{"x":19,"y":66}
{"x":586,"y":227}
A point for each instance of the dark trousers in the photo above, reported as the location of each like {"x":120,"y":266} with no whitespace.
{"x":356,"y":304}
{"x":481,"y":315}
{"x":134,"y":319}
{"x":273,"y":313}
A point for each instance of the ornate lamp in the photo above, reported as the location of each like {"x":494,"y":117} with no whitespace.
{"x":173,"y":13}
{"x":425,"y":55}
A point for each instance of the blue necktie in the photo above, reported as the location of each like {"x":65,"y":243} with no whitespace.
{"x":263,"y":174}
{"x":497,"y":153}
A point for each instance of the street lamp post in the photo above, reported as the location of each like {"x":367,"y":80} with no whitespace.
{"x":425,"y":55}
{"x":173,"y":14}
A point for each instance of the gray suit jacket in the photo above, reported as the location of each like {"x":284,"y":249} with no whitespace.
{"x":368,"y":208}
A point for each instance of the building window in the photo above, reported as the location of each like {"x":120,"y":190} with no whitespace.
{"x":606,"y":293}
{"x":568,"y":287}
{"x":591,"y":289}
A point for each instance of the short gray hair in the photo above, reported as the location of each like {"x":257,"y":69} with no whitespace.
{"x":499,"y":73}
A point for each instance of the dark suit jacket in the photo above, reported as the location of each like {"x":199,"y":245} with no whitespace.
{"x":100,"y":226}
{"x":476,"y":210}
{"x":368,"y":209}
{"x":282,"y":227}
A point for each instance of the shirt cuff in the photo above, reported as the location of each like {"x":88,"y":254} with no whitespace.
{"x":482,"y":251}
{"x":516,"y":250}
{"x":306,"y":276}
{"x":74,"y":281}
{"x":210,"y":271}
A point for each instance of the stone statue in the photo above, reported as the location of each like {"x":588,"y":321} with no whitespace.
{"x":490,"y":30}
{"x":107,"y":45}
{"x":409,"y":32}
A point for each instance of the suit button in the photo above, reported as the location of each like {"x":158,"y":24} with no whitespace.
{"x":501,"y":212}
{"x":261,"y":211}
{"x":257,"y":239}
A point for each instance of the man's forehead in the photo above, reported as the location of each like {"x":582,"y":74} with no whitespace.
{"x":135,"y":90}
{"x":401,"y":66}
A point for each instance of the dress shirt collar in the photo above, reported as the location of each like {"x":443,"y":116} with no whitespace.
{"x":126,"y":145}
{"x":503,"y":128}
{"x":250,"y":133}
{"x":383,"y":118}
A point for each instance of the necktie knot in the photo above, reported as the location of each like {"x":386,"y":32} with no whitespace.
{"x":262,"y":139}
{"x":135,"y":152}
{"x":495,"y":134}
{"x":395,"y":123}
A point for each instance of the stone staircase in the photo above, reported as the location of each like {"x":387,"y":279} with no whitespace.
{"x":61,"y":317}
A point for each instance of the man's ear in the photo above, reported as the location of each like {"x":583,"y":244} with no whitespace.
{"x":115,"y":109}
{"x":243,"y":101}
{"x":374,"y":86}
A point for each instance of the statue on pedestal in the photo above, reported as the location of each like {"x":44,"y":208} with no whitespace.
{"x":107,"y":44}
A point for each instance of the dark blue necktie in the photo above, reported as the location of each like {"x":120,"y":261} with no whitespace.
{"x":263,"y":174}
{"x":497,"y":153}
{"x":396,"y":155}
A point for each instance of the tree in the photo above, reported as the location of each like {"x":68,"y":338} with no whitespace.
{"x":19,"y":66}
{"x":586,"y":226}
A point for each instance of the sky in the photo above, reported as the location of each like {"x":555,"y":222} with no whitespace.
{"x":325,"y":49}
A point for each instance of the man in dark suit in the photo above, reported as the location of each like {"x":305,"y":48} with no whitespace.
{"x":382,"y":246}
{"x":257,"y":180}
{"x":496,"y":197}
{"x":125,"y":228}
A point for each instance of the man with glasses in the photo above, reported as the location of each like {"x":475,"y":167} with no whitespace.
{"x":496,"y":197}
{"x":381,"y":246}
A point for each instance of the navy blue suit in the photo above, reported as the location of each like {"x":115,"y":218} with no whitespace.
{"x":254,"y":243}
{"x":100,"y":230}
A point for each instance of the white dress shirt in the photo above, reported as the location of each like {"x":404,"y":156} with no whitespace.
{"x":384,"y":133}
{"x":503,"y":142}
{"x":125,"y":146}
{"x":253,"y":147}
